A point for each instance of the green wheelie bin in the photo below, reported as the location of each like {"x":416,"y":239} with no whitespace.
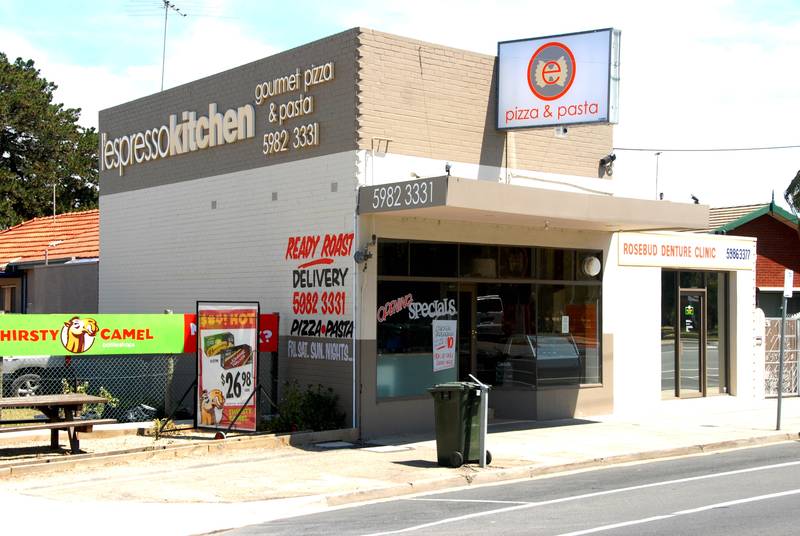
{"x":456,"y":407}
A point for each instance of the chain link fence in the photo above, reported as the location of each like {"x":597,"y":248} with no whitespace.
{"x":791,"y":353}
{"x":145,"y":387}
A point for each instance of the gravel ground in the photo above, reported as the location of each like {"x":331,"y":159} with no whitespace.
{"x":16,"y":448}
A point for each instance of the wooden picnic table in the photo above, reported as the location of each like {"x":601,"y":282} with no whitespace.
{"x":62,"y":412}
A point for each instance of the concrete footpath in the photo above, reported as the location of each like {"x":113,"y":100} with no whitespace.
{"x":214,"y":485}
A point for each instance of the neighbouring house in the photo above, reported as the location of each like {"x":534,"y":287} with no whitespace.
{"x":778,"y":248}
{"x":50,"y":264}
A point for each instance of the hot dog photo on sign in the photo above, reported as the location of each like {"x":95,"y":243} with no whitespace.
{"x":226,"y":372}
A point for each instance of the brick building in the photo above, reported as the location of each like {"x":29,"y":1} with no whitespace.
{"x":363,"y":187}
{"x":778,"y":249}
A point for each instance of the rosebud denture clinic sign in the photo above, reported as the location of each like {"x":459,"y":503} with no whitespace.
{"x":686,"y":250}
{"x":558,"y":80}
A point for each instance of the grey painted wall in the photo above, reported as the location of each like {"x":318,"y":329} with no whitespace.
{"x":334,"y":110}
{"x":63,"y":288}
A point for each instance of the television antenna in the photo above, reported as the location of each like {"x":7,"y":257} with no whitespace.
{"x":167,"y":7}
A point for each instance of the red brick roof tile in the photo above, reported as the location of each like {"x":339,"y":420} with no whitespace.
{"x":74,"y":235}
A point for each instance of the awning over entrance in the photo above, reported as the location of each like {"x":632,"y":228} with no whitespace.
{"x":457,"y":199}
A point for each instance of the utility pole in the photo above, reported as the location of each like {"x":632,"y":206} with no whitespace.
{"x":167,"y":7}
{"x":657,"y":155}
{"x":788,"y":284}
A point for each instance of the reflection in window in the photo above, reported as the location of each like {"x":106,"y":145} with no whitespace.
{"x":715,"y":335}
{"x":478,"y":261}
{"x":692,"y":280}
{"x":434,"y":259}
{"x":669,"y":293}
{"x":532,"y":335}
{"x":515,"y":263}
{"x":393,"y":257}
{"x":555,"y":264}
{"x":543,"y":329}
{"x":405,"y":338}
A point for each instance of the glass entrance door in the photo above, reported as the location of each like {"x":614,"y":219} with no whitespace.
{"x":691,"y":344}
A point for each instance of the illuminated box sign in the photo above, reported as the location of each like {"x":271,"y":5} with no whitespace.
{"x":112,"y":334}
{"x":93,"y":334}
{"x":558,"y":80}
{"x":686,"y":250}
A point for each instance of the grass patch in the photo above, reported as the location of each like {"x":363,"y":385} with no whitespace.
{"x":17,"y":414}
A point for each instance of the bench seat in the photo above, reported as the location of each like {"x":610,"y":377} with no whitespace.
{"x":80,"y":425}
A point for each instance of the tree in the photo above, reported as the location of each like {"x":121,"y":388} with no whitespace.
{"x":792,"y":196}
{"x":41,"y":144}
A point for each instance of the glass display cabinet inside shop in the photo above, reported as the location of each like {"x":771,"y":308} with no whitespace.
{"x":518,"y":318}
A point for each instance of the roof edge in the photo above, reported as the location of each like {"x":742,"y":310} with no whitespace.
{"x":768,"y":209}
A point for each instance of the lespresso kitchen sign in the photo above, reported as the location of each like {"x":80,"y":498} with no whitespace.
{"x":192,"y":130}
{"x":686,"y":250}
{"x":185,"y":135}
{"x":558,"y":80}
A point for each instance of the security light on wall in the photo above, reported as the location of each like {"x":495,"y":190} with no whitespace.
{"x":362,"y":255}
{"x":606,"y":165}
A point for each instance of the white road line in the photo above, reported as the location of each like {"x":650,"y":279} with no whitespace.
{"x":454,"y":519}
{"x":487,"y":501}
{"x":682,"y":513}
{"x":619,"y":525}
{"x":584,"y":496}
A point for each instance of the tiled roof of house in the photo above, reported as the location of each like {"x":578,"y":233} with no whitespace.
{"x":719,"y":216}
{"x":723,"y":219}
{"x":74,"y":235}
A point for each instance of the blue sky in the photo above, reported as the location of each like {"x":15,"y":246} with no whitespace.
{"x":716,"y":73}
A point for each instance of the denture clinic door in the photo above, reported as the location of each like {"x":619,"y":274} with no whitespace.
{"x":690,"y":358}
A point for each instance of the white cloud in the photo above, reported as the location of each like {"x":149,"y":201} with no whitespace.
{"x":208,"y":46}
{"x":694,"y":74}
{"x":196,"y":47}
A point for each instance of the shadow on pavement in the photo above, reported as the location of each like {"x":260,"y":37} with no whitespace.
{"x":514,"y":426}
{"x":421,"y":464}
{"x":495,"y":427}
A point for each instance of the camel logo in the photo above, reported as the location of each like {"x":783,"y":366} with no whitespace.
{"x":78,"y":334}
{"x":551,"y":71}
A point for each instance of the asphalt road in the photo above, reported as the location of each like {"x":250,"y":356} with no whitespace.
{"x":749,"y":491}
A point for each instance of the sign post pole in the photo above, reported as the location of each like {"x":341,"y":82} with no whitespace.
{"x":788,"y":279}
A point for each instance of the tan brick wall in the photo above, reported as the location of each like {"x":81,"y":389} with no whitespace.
{"x":439,"y":102}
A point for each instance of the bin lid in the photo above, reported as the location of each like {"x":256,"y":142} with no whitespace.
{"x":453,"y":386}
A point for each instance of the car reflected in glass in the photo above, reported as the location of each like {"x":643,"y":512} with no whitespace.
{"x":528,"y":361}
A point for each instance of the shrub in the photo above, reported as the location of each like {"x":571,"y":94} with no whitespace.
{"x":316,"y":408}
{"x":90,"y":410}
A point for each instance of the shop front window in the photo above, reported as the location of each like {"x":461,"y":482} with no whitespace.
{"x":405,"y":320}
{"x":532,"y":335}
{"x":511,"y":334}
